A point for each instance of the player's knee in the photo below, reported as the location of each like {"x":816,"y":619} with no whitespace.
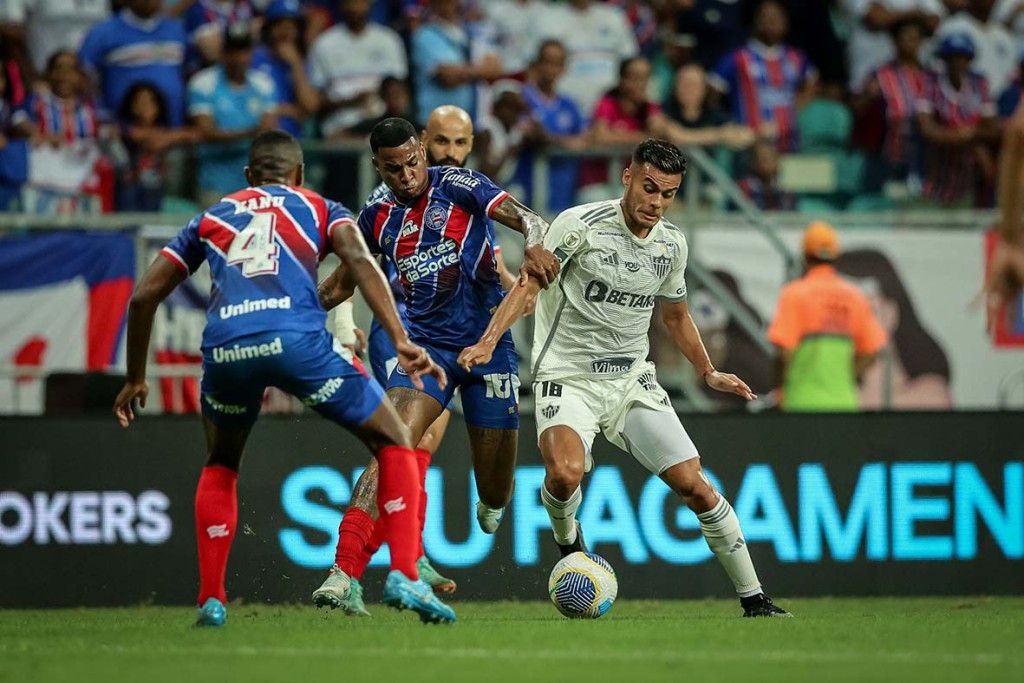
{"x":695,"y":489}
{"x":563,"y":478}
{"x":428,"y":443}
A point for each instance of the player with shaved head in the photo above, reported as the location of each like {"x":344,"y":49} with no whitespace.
{"x":590,"y":362}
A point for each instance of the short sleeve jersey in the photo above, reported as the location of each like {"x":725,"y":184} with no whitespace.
{"x":442,"y":245}
{"x":263,"y":245}
{"x":594,"y":320}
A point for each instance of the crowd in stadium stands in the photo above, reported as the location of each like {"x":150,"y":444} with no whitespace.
{"x":902,"y":99}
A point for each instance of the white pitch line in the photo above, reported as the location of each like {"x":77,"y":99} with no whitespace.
{"x":659,"y":655}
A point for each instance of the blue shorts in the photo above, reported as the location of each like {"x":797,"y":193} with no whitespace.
{"x":383,"y":357}
{"x":313,"y":367}
{"x":490,"y":393}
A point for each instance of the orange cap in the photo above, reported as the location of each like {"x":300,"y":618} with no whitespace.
{"x":820,"y":241}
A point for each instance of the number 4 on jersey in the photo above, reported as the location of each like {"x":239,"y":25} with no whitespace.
{"x":255,"y":247}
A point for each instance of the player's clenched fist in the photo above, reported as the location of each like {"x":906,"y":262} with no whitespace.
{"x":416,"y":362}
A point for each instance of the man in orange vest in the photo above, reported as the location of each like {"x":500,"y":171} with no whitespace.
{"x":824,"y":330}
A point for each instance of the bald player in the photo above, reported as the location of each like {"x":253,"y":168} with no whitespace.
{"x":448,"y":139}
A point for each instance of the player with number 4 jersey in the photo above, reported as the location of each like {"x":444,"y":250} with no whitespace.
{"x":266,"y":327}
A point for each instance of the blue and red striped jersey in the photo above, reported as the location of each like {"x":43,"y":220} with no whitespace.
{"x":263,"y":245}
{"x":950,"y":173}
{"x":75,"y":119}
{"x":901,"y":86}
{"x":442,"y":245}
{"x":763,"y":82}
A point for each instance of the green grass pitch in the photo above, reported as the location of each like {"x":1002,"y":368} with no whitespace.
{"x":905,"y":640}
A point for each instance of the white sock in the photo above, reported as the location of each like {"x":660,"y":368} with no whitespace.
{"x":562,"y":514}
{"x":721,"y":529}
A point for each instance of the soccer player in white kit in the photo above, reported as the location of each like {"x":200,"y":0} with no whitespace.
{"x":590,"y":358}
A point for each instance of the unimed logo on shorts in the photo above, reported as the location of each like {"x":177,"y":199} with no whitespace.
{"x":84,"y":517}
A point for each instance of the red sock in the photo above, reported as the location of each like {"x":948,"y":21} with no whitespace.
{"x":216,"y":520}
{"x":377,"y":538}
{"x":354,"y":531}
{"x":398,"y":499}
{"x":422,"y":462}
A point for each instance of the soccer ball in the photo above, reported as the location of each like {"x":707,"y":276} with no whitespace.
{"x":583,"y":586}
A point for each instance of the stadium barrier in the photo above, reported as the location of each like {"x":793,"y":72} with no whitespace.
{"x":860,"y":504}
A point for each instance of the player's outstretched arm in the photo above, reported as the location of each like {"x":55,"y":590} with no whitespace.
{"x":679,"y":322}
{"x":360,"y":267}
{"x":516,"y":303}
{"x":537,"y":261}
{"x":1006,"y":269}
{"x":157,"y":283}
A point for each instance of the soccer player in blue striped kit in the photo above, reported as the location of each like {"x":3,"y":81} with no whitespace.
{"x":435,"y":226}
{"x":265,"y":326}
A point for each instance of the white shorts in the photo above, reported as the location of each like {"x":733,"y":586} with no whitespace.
{"x":632,"y":410}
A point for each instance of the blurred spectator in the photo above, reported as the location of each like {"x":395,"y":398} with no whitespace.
{"x":59,"y":114}
{"x":1010,"y":99}
{"x":147,"y":135}
{"x":65,"y":130}
{"x":504,"y":132}
{"x":625,"y":116}
{"x":688,"y":102}
{"x":452,"y":59}
{"x":347,"y":64}
{"x":760,"y":185}
{"x":825,"y":122}
{"x":205,"y":22}
{"x":229,"y":103}
{"x":716,"y":28}
{"x":676,"y":52}
{"x":397,"y":98}
{"x":13,"y":146}
{"x":39,"y":28}
{"x":995,"y":47}
{"x":957,"y":120}
{"x":138,"y":45}
{"x":562,"y":122}
{"x":597,"y":37}
{"x":641,"y":19}
{"x":825,"y":333}
{"x":767,"y":81}
{"x":870,"y":44}
{"x":889,"y":102}
{"x":282,"y":57}
{"x":818,"y":28}
{"x":1010,"y":13}
{"x":518,"y":27}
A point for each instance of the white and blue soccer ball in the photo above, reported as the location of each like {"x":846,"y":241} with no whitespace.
{"x":583,"y":586}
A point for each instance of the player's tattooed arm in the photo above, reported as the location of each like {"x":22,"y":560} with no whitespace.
{"x":537,"y":261}
{"x":362,"y":269}
{"x":336,"y":287}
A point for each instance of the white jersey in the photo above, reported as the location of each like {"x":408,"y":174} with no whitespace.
{"x":594,"y":320}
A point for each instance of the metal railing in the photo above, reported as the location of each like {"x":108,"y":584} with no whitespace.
{"x":692,"y":214}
